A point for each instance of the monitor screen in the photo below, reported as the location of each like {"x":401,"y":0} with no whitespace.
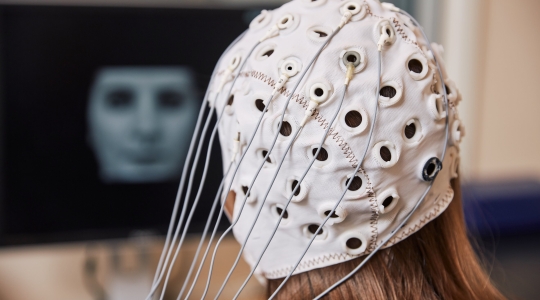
{"x":98,"y":105}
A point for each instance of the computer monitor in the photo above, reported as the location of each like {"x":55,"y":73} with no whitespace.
{"x":98,"y":105}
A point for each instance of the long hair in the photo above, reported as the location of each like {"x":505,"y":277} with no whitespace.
{"x":437,"y":262}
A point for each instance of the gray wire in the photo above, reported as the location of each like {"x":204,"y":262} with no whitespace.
{"x":161,"y":268}
{"x":241,"y":208}
{"x":268,"y":154}
{"x":440,"y":75}
{"x":186,"y":199}
{"x":180,"y":189}
{"x":348,"y":183}
{"x":203,"y":178}
{"x":427,"y":189}
{"x":205,"y":231}
{"x":185,"y":168}
{"x":191,"y":213}
{"x":222,"y":207}
{"x":223,"y":204}
{"x":259,"y":212}
{"x":342,"y":280}
{"x":290,"y":197}
{"x":186,"y":165}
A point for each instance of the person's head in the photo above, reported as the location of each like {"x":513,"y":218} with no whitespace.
{"x":437,"y":262}
{"x":344,"y":134}
{"x":140,"y":120}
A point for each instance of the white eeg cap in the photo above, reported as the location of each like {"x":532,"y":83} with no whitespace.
{"x":408,"y":134}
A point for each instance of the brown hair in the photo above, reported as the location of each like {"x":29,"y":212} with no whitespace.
{"x":437,"y":262}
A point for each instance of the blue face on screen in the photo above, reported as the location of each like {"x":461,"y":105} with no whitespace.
{"x":139,"y":122}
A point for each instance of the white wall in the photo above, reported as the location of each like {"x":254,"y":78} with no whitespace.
{"x":492,"y":52}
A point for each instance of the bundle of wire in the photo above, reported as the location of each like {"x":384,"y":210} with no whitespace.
{"x":335,"y":120}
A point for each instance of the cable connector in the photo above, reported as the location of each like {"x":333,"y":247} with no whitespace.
{"x":350,"y":73}
{"x":235,"y":62}
{"x":309,"y":112}
{"x":272,"y":32}
{"x":347,"y":15}
{"x":385,"y":37}
{"x":390,"y":7}
{"x":284,"y":22}
{"x":281,"y":82}
{"x":318,"y":93}
{"x":289,"y":68}
{"x":236,"y":146}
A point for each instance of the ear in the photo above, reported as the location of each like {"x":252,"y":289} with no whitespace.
{"x":229,"y":204}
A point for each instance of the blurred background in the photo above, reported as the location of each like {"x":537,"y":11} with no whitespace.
{"x":98,"y":100}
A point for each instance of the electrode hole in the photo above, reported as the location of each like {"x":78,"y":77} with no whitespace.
{"x":385,"y":153}
{"x":245,"y":190}
{"x":354,"y":243}
{"x":415,"y":66}
{"x":264,"y":153}
{"x":259,"y":103}
{"x":388,"y":201}
{"x":388,"y":92}
{"x":353,"y":118}
{"x":356,"y":183}
{"x":319,"y":92}
{"x":293,"y":186}
{"x":285,"y":21}
{"x":286,"y":128}
{"x":431,"y":169}
{"x":268,"y":53}
{"x":351,"y":7}
{"x":279,"y":211}
{"x":313,"y":229}
{"x":321,"y":33}
{"x":231,"y":100}
{"x":323,"y":154}
{"x":351,"y":58}
{"x":326,"y":213}
{"x":410,"y":130}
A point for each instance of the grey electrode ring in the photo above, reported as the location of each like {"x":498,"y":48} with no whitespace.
{"x":356,"y":55}
{"x":352,"y":57}
{"x":431,"y":169}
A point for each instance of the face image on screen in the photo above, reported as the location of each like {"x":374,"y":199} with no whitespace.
{"x":139,"y":120}
{"x":97,"y":110}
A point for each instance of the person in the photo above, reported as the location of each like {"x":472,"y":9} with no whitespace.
{"x":341,"y":138}
{"x":139,"y":119}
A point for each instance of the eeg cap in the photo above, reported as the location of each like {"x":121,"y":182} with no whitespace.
{"x":403,"y":157}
